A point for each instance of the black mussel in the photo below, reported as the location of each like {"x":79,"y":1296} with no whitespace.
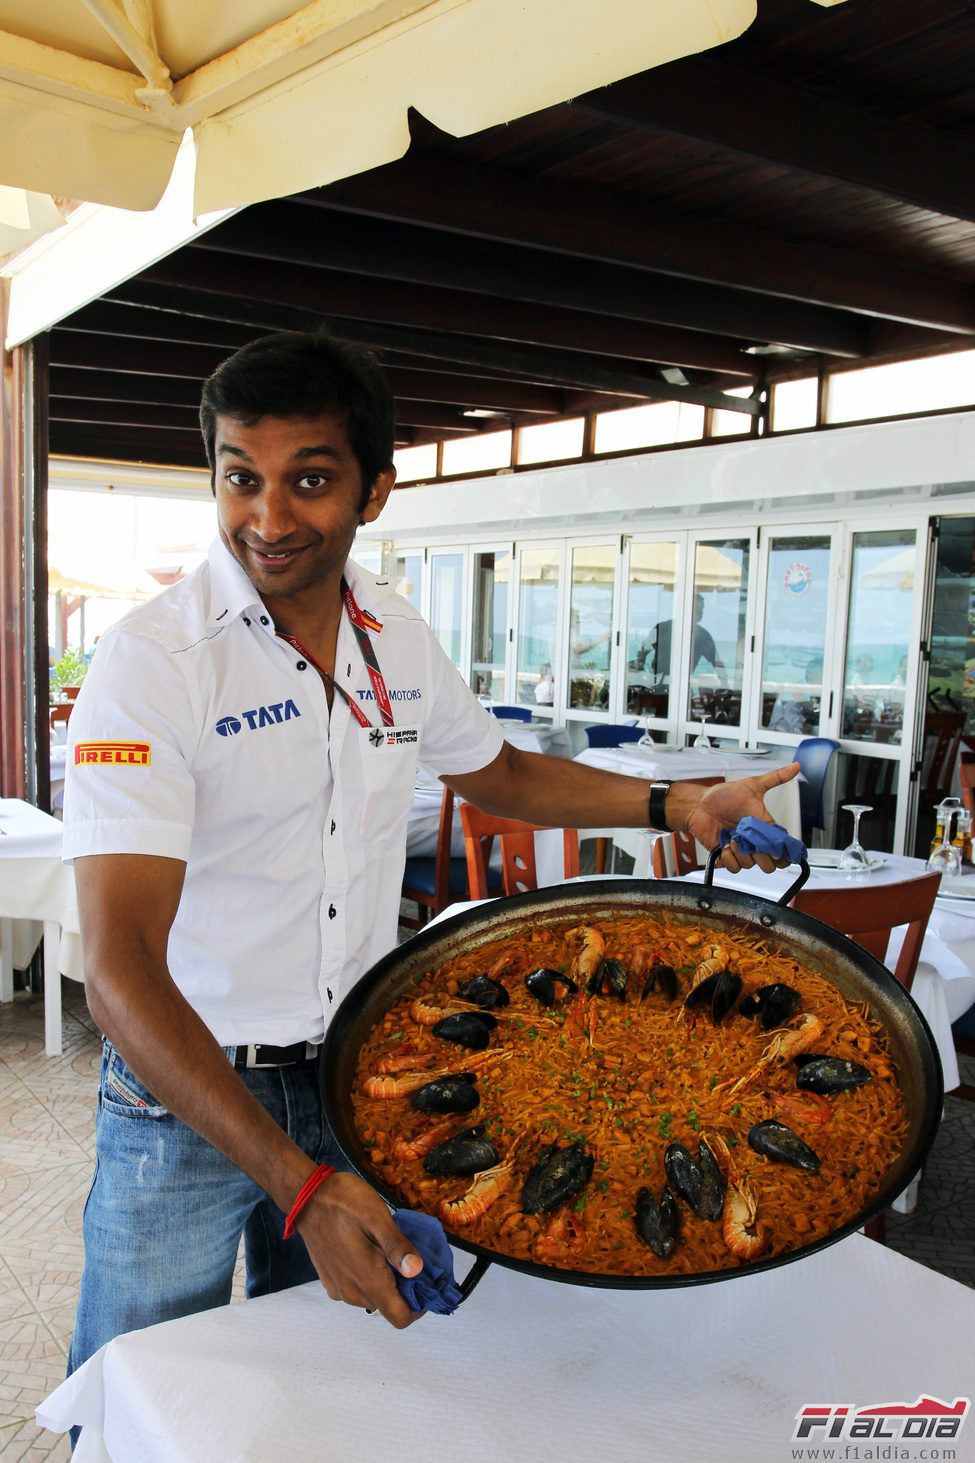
{"x":542,"y":982}
{"x":468,"y":1028}
{"x":773,"y":1003}
{"x":710,"y":1204}
{"x":718,"y":991}
{"x":464,"y":1153}
{"x":608,"y":975}
{"x":700,"y":1184}
{"x":829,"y":1074}
{"x":663,"y":976}
{"x":657,"y":1223}
{"x":484,"y":991}
{"x":558,"y":1174}
{"x":447,"y":1094}
{"x":683,"y":1174}
{"x":777,"y":1141}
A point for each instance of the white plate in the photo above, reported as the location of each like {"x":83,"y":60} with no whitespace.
{"x":956,"y":886}
{"x":829,"y":858}
{"x":752,"y":752}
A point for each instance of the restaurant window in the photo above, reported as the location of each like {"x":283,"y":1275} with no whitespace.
{"x":480,"y":452}
{"x":656,"y":425}
{"x":550,"y":441}
{"x":591,"y":625}
{"x":447,"y":602}
{"x":901,"y":387}
{"x":406,"y":576}
{"x":796,"y":609}
{"x":650,"y":602}
{"x":878,"y":635}
{"x":492,"y":574}
{"x":538,"y":618}
{"x":415,"y":463}
{"x":795,"y":404}
{"x":732,"y":423}
{"x":716,"y":648}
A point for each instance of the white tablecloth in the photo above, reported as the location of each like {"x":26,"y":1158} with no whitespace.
{"x":782,"y":803}
{"x":944,"y":986}
{"x":531,"y":1369}
{"x":37,"y":890}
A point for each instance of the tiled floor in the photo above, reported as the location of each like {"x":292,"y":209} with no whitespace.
{"x":45,"y":1164}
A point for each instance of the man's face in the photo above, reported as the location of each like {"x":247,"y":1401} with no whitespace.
{"x":288,"y":491}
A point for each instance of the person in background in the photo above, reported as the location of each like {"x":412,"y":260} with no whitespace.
{"x":656,"y":651}
{"x":244,"y":756}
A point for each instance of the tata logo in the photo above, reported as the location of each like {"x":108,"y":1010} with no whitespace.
{"x":278,"y":711}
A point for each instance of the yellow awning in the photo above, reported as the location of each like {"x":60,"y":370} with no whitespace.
{"x":96,"y":95}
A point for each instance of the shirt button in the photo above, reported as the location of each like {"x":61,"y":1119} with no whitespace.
{"x":265,"y":620}
{"x":332,"y":829}
{"x":301,"y":665}
{"x":332,"y":911}
{"x":246,"y":620}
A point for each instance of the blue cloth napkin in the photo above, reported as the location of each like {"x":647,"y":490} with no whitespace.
{"x":434,"y":1289}
{"x":754,"y":836}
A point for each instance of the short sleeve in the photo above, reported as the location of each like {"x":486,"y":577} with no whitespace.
{"x":459,"y":735}
{"x":129,"y":786}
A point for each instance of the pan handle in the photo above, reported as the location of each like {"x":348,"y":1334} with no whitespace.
{"x":473,"y":1275}
{"x":782,"y":902}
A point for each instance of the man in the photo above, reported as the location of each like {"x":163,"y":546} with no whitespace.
{"x":655,"y":652}
{"x":244,"y":759}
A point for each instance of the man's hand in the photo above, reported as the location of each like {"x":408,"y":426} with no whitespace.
{"x":352,"y":1241}
{"x":707,"y":811}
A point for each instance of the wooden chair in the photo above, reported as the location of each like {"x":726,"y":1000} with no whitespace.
{"x":518,"y":871}
{"x":433,"y":883}
{"x":942,"y":739}
{"x":868,"y":915}
{"x":61,"y":713}
{"x":966,"y":776}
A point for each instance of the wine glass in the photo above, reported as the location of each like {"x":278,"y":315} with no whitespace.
{"x":703,"y":741}
{"x":853,"y":859}
{"x":646,"y":740}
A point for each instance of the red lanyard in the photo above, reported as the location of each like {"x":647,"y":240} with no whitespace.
{"x":361,"y":623}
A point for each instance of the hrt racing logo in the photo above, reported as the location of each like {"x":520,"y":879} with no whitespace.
{"x":895,"y":1422}
{"x":278,"y":711}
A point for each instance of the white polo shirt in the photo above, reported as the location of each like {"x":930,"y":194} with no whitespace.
{"x":200,"y":735}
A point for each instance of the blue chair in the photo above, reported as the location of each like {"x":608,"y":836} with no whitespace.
{"x":433,"y":883}
{"x":513,"y":713}
{"x":612,"y":736}
{"x":814,"y":755}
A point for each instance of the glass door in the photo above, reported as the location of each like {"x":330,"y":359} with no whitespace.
{"x":592,"y":603}
{"x":715,"y":643}
{"x":537,"y":638}
{"x":652,"y":575}
{"x":489,"y":627}
{"x":446,"y":616}
{"x":798,"y":577}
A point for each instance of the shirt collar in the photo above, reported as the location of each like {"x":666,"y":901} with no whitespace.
{"x":232,"y":594}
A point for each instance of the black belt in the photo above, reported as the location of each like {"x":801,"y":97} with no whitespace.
{"x":276,"y":1056}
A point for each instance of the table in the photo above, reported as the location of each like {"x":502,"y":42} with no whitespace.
{"x":944,"y":986}
{"x":36,"y":887}
{"x":531,"y":1369}
{"x":782,"y":803}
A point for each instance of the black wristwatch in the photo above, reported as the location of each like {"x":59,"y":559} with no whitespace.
{"x":658,"y":798}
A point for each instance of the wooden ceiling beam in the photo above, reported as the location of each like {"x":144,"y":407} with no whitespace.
{"x":437,"y":191}
{"x":125,"y":414}
{"x":73,"y":382}
{"x":109,"y":317}
{"x":160,"y":448}
{"x":744,"y":111}
{"x":246,"y":289}
{"x":291,"y":234}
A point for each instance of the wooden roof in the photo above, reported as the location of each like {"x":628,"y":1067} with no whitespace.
{"x":804,"y":194}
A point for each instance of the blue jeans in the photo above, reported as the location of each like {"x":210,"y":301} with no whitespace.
{"x":166,"y":1210}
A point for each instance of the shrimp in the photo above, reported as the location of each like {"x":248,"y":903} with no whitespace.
{"x":809,"y":1107}
{"x":716,"y":957}
{"x":586,"y":962}
{"x":428,"y":1010}
{"x":745,"y":1235}
{"x":406,"y":1149}
{"x":487,"y":1187}
{"x":785,"y":1044}
{"x":563,"y":1238}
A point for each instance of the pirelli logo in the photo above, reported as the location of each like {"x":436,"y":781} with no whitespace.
{"x":119,"y":754}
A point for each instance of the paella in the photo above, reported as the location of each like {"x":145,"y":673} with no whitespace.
{"x":639,"y":1096}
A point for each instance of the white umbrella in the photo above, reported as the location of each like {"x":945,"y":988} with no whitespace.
{"x":91,"y":576}
{"x":96,"y":95}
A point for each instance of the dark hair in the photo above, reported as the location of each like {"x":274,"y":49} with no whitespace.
{"x":306,"y":374}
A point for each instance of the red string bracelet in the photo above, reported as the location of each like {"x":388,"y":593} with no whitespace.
{"x":322,"y":1172}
